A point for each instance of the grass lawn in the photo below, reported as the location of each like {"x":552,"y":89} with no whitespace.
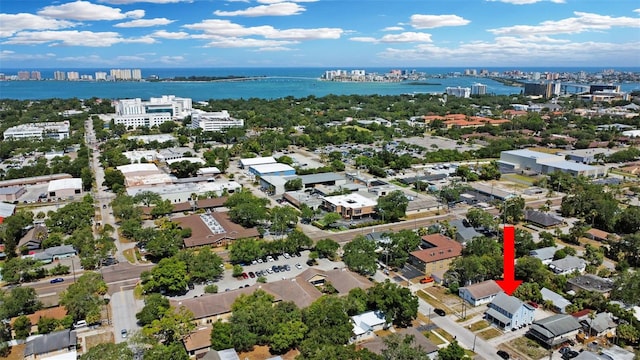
{"x":489,"y":333}
{"x":93,"y":340}
{"x":129,"y":255}
{"x":528,"y":347}
{"x":444,"y":334}
{"x":17,"y":352}
{"x":433,"y":338}
{"x":478,"y":325}
{"x":431,"y":301}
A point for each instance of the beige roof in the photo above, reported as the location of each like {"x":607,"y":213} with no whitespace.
{"x":201,"y":235}
{"x":213,"y":304}
{"x":342,"y":280}
{"x":199,"y":339}
{"x":483,"y":289}
{"x":301,"y":292}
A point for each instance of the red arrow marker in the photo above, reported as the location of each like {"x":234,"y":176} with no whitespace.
{"x":509,"y":283}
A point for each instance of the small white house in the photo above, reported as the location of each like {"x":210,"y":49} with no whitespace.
{"x":366,"y":323}
{"x":480,"y":293}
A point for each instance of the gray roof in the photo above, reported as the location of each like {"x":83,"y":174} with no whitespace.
{"x":51,"y":342}
{"x":617,"y":353}
{"x":556,"y":325}
{"x":320,"y":178}
{"x":544,"y":253}
{"x":567,"y":263}
{"x":557,"y":300}
{"x":465,"y":232}
{"x":510,"y":304}
{"x":601,"y":322}
{"x":592,"y":282}
{"x":227,"y":354}
{"x":541,"y":218}
{"x":60,"y":250}
{"x":587,"y":355}
{"x":10,"y":190}
{"x":6,"y":210}
{"x":498,"y":315}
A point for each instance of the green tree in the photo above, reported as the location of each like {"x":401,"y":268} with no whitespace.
{"x":171,"y":328}
{"x":627,"y":287}
{"x":393,"y":206}
{"x":22,"y":327}
{"x":155,"y":306}
{"x":47,"y":325}
{"x":512,"y":210}
{"x":246,"y":250}
{"x":293,"y":184}
{"x":360,"y":256}
{"x":109,"y":351}
{"x":402,"y":243}
{"x":297,"y":240}
{"x":328,"y":324}
{"x":173,"y":351}
{"x":327,"y":248}
{"x":20,"y":300}
{"x":221,"y":336}
{"x":329,"y":218}
{"x":399,"y":347}
{"x":287,"y":336}
{"x":113,"y":179}
{"x":628,"y":333}
{"x":397,"y":303}
{"x":283,"y":217}
{"x":83,"y":299}
{"x":170,"y":276}
{"x":452,"y":352}
{"x":202,"y":265}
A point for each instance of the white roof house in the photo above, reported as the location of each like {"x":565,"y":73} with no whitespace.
{"x":366,"y":323}
{"x":65,"y":184}
{"x":244,"y":163}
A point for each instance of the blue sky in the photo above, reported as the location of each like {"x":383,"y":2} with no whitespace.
{"x":323,"y":33}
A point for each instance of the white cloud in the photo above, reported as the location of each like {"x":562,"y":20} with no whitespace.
{"x":12,"y":55}
{"x":130,"y":58}
{"x":516,"y":51}
{"x":170,"y":35}
{"x":636,"y":10}
{"x":419,"y":21}
{"x":144,"y":23}
{"x":84,"y":10}
{"x":73,"y":38}
{"x":226,"y":42}
{"x":277,"y":9}
{"x":88,"y":59}
{"x":273,"y":49}
{"x":221,"y":28}
{"x":393,"y":28}
{"x":281,"y":1}
{"x":573,"y":25}
{"x":171,"y":59}
{"x":12,"y":23}
{"x":526,"y":2}
{"x":404,"y":37}
{"x":120,"y":2}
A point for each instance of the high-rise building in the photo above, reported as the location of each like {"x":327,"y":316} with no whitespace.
{"x":136,"y":74}
{"x":23,"y":75}
{"x":59,"y":75}
{"x":101,"y":76}
{"x":458,"y":91}
{"x":35,"y":75}
{"x":73,"y":75}
{"x":478,"y":89}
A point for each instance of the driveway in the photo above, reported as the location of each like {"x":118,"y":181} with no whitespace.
{"x":123,"y":311}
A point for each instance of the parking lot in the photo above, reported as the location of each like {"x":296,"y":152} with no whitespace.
{"x":227,"y":281}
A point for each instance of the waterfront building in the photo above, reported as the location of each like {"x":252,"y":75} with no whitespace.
{"x":142,"y":120}
{"x":155,"y":111}
{"x":50,"y":130}
{"x":214,"y":121}
{"x":59,"y":75}
{"x":101,"y":76}
{"x":73,"y":75}
{"x":35,"y":75}
{"x":478,"y":89}
{"x":458,"y":91}
{"x":23,"y":75}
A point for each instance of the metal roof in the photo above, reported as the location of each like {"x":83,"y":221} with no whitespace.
{"x":50,"y":342}
{"x":557,"y":300}
{"x":556,"y":325}
{"x":65,"y":184}
{"x":510,"y":304}
{"x":544,"y":253}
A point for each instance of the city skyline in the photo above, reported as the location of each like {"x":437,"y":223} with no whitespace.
{"x":322,"y":33}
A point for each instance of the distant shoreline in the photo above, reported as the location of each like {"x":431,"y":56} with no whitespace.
{"x":194,"y":78}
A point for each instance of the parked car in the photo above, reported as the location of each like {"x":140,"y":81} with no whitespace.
{"x":286,"y":256}
{"x":298,"y":266}
{"x":426,"y":280}
{"x":123,"y":333}
{"x":570,"y":354}
{"x":56,"y":280}
{"x":252,"y":274}
{"x":440,"y":312}
{"x":244,"y":275}
{"x":534,"y":304}
{"x":503,"y":354}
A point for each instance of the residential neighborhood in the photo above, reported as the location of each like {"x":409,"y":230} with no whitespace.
{"x":177,"y":229}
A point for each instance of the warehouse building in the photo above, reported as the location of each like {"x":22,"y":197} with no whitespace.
{"x":245,"y":163}
{"x":542,"y":163}
{"x":276,"y":169}
{"x":65,"y":188}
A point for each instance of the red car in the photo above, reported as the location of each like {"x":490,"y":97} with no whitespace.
{"x":534,"y":304}
{"x":244,"y":275}
{"x":426,"y":280}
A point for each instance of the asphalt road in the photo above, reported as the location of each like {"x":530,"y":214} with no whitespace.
{"x":123,"y":311}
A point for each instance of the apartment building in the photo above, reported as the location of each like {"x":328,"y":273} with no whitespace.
{"x":49,"y":130}
{"x":214,"y":121}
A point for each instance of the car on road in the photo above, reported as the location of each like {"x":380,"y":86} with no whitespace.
{"x":426,"y":280}
{"x":56,"y":280}
{"x":503,"y":354}
{"x":440,"y":312}
{"x":124,"y":333}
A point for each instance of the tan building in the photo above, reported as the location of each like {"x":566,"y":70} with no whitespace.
{"x":11,"y":194}
{"x":198,"y":342}
{"x":438,"y":251}
{"x":350,"y":206}
{"x":214,"y":229}
{"x":65,"y":188}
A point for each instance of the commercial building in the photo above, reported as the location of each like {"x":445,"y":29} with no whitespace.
{"x":155,"y":111}
{"x":6,"y":210}
{"x":350,"y":206}
{"x":437,"y":252}
{"x":177,"y":193}
{"x":245,"y":163}
{"x":542,"y":163}
{"x":509,"y":312}
{"x":12,"y":193}
{"x":214,"y":121}
{"x":587,"y":156}
{"x":45,"y":130}
{"x":543,"y":89}
{"x":480,"y":293}
{"x":458,"y":91}
{"x":276,"y":169}
{"x":160,"y":138}
{"x":555,"y":329}
{"x":213,"y":229}
{"x":142,"y":120}
{"x":65,"y":188}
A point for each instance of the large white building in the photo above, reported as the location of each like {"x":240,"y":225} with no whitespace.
{"x":478,"y":89}
{"x":458,"y":91}
{"x":48,"y":130}
{"x":543,"y":163}
{"x":214,"y":121}
{"x":136,"y":112}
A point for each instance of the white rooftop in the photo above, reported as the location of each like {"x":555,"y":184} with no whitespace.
{"x":269,"y":168}
{"x":131,"y":168}
{"x":257,"y":161}
{"x":194,"y":160}
{"x":353,"y":200}
{"x":63,"y":184}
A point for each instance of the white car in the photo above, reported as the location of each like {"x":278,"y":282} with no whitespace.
{"x":286,"y":256}
{"x":299,"y":266}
